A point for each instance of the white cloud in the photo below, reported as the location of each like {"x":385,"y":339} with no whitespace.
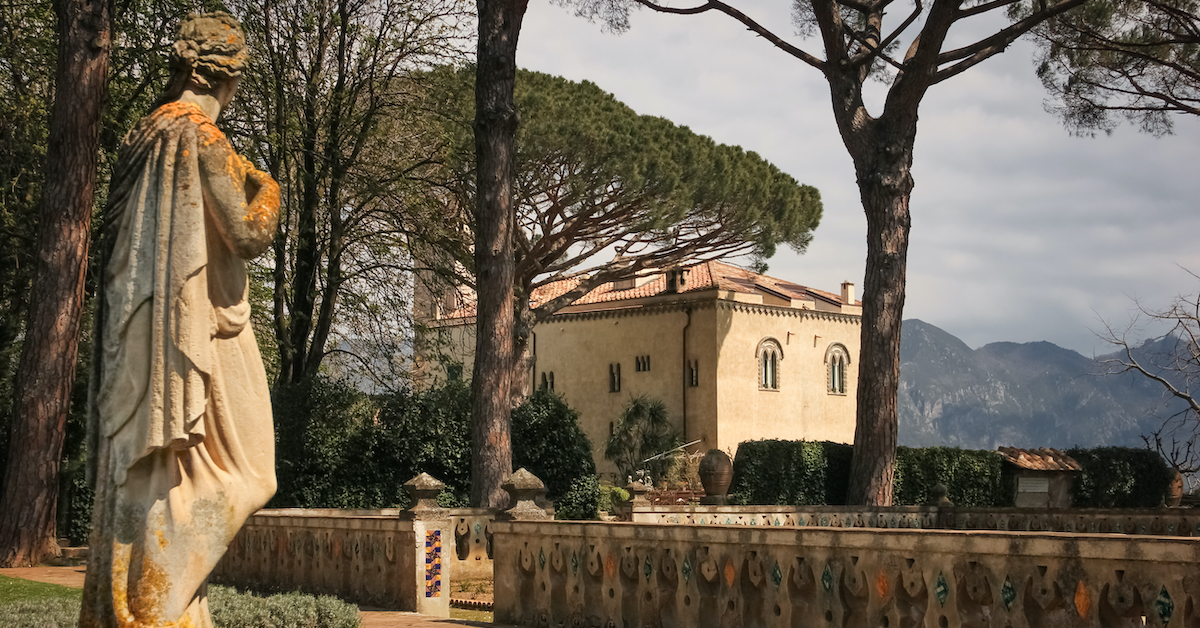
{"x":1020,"y":231}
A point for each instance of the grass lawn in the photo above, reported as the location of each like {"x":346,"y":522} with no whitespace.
{"x":484,"y":617}
{"x":14,"y":590}
{"x":28,"y":604}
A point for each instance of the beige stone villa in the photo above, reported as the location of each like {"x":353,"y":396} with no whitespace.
{"x":734,"y":355}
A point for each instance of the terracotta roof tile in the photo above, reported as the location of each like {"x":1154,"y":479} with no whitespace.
{"x":1041,"y":459}
{"x":701,"y":276}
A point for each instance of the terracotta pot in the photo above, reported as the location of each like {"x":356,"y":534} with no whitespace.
{"x":716,"y":472}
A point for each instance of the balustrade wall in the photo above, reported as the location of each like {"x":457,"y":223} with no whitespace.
{"x":1156,"y":521}
{"x":472,"y":542}
{"x":637,"y":575}
{"x":370,"y":558}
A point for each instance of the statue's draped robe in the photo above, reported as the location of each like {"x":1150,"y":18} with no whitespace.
{"x":180,"y":425}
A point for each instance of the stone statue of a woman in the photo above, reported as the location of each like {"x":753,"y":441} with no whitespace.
{"x":180,"y":425}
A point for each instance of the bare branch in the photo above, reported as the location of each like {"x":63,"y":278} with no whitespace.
{"x":755,"y":27}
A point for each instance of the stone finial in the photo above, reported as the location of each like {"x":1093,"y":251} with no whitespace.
{"x":423,"y":492}
{"x":939,"y":495}
{"x":637,"y":494}
{"x":524,"y":489}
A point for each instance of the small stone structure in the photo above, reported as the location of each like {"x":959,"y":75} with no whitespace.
{"x":525,"y":490}
{"x":1043,"y":476}
{"x":628,"y":574}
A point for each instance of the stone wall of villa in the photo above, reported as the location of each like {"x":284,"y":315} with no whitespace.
{"x":644,"y":574}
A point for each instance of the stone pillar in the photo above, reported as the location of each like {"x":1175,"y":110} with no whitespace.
{"x":637,"y":495}
{"x":524,"y":490}
{"x":939,"y":498}
{"x":434,"y":539}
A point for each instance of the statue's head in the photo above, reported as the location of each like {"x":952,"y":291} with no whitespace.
{"x":209,"y":54}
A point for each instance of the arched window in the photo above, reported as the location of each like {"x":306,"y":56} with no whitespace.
{"x":836,"y":360}
{"x":769,"y":355}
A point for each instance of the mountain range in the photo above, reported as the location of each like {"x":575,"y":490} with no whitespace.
{"x":1035,"y":394}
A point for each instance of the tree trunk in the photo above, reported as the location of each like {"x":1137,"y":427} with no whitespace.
{"x":495,"y":132}
{"x":885,"y":183}
{"x":523,"y":358}
{"x":42,"y":393}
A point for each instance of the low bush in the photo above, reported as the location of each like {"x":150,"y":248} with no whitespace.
{"x":232,"y":609}
{"x":27,"y":604}
{"x":59,"y":612}
{"x":611,"y":496}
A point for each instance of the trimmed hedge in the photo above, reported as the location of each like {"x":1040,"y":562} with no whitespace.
{"x":972,"y":477}
{"x":812,"y":473}
{"x":799,"y":473}
{"x":1119,"y":477}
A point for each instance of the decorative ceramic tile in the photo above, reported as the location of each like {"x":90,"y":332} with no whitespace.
{"x":941,"y":589}
{"x":1164,"y":606}
{"x":881,"y":584}
{"x":686,"y":569}
{"x":827,"y":578}
{"x":1008,"y":594}
{"x":433,"y":563}
{"x":776,"y":575}
{"x":647,"y":568}
{"x":541,"y":558}
{"x":1083,"y":600}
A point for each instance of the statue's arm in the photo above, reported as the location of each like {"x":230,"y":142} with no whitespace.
{"x":244,"y":201}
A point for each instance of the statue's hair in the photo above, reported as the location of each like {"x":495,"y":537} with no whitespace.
{"x":209,"y":46}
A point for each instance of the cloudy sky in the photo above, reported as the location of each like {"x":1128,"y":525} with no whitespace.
{"x":1021,"y":232}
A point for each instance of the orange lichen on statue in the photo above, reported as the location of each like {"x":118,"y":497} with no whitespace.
{"x":265,"y":207}
{"x":207,"y":132}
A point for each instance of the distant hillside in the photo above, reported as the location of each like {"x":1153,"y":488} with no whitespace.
{"x":1025,"y":395}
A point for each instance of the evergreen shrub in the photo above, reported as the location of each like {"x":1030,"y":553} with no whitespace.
{"x":580,"y":501}
{"x":337,"y":447}
{"x":548,"y":442}
{"x":1119,"y":477}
